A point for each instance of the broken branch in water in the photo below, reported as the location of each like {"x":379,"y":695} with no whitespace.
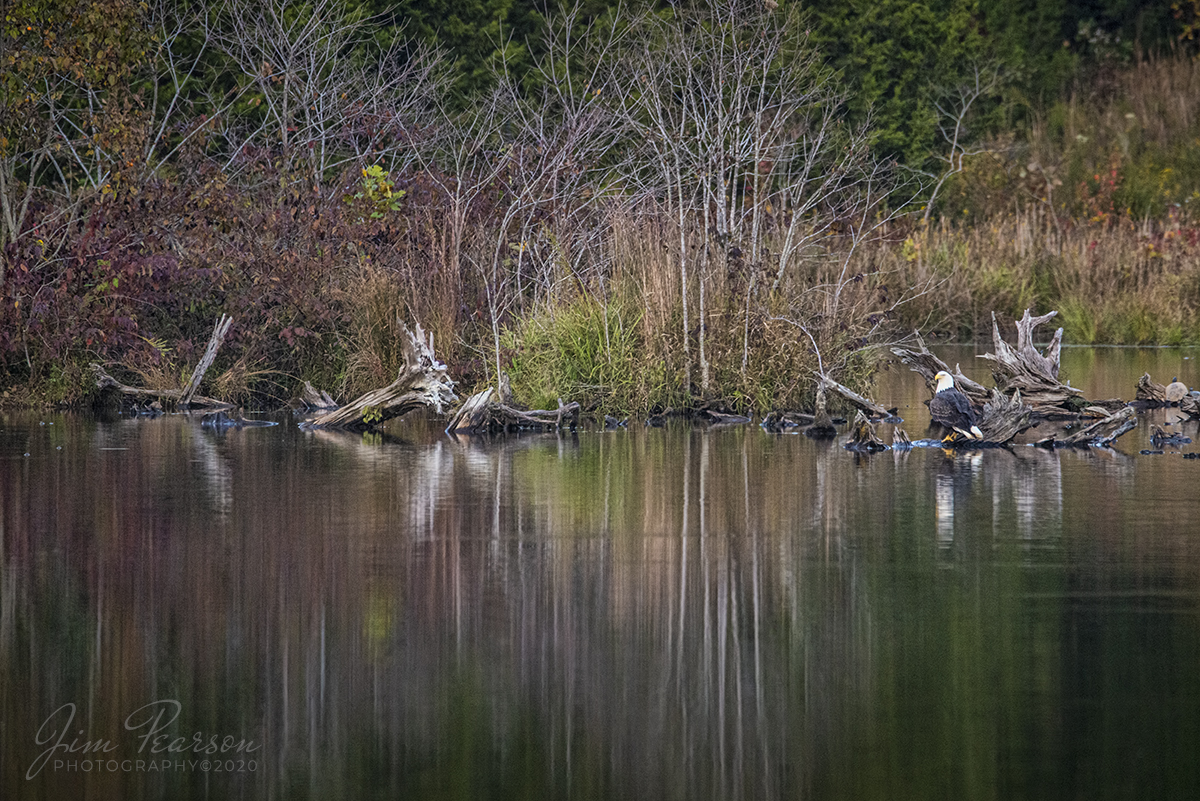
{"x":482,"y":414}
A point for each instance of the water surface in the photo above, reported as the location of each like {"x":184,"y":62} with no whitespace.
{"x":666,"y":613}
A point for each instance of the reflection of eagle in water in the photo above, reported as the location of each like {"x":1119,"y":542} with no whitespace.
{"x":951,"y":409}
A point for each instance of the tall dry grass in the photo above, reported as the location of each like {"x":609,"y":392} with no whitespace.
{"x":1117,"y":282}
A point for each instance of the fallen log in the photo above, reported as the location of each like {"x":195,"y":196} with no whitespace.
{"x":421,"y":383}
{"x":186,"y":397}
{"x":1100,"y":433}
{"x":483,"y":414}
{"x":858,"y":401}
{"x":105,"y":382}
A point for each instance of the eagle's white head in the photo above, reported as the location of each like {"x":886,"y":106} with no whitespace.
{"x":944,"y":381}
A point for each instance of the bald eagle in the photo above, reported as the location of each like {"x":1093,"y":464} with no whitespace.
{"x":951,"y":409}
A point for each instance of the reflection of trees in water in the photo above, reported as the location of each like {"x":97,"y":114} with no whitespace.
{"x":664,"y":614}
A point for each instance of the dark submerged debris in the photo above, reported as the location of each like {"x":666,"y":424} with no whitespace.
{"x":717,"y":418}
{"x":778,"y":421}
{"x":222,"y":421}
{"x":1160,"y":437}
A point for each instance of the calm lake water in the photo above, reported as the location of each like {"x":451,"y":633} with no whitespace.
{"x":670,"y":613}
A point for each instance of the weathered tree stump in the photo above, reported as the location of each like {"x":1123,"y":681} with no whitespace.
{"x":421,"y":383}
{"x":313,"y":398}
{"x":1004,"y":417}
{"x":1034,"y":374}
{"x":822,"y":426}
{"x":1190,"y":406}
{"x":483,"y":414}
{"x":1020,"y":369}
{"x":863,"y":436}
{"x":1149,"y":392}
{"x":927,"y":365}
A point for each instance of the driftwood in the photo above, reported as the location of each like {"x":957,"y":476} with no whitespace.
{"x":1150,"y":392}
{"x":482,"y":413}
{"x":927,"y":365}
{"x":1101,"y":432}
{"x":858,"y":401}
{"x":1004,"y":417}
{"x":900,"y":440}
{"x":181,"y":398}
{"x":1190,"y":406}
{"x":1032,"y":373}
{"x":106,"y":382}
{"x":863,"y":436}
{"x":422,"y":383}
{"x":313,"y":398}
{"x":210,"y":353}
{"x":1001,"y":417}
{"x":1016,"y":370}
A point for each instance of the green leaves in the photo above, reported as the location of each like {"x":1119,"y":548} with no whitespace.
{"x":378,"y":193}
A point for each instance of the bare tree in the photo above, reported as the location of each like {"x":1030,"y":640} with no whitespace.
{"x":324,"y":92}
{"x":743,"y":133}
{"x":955,"y":107}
